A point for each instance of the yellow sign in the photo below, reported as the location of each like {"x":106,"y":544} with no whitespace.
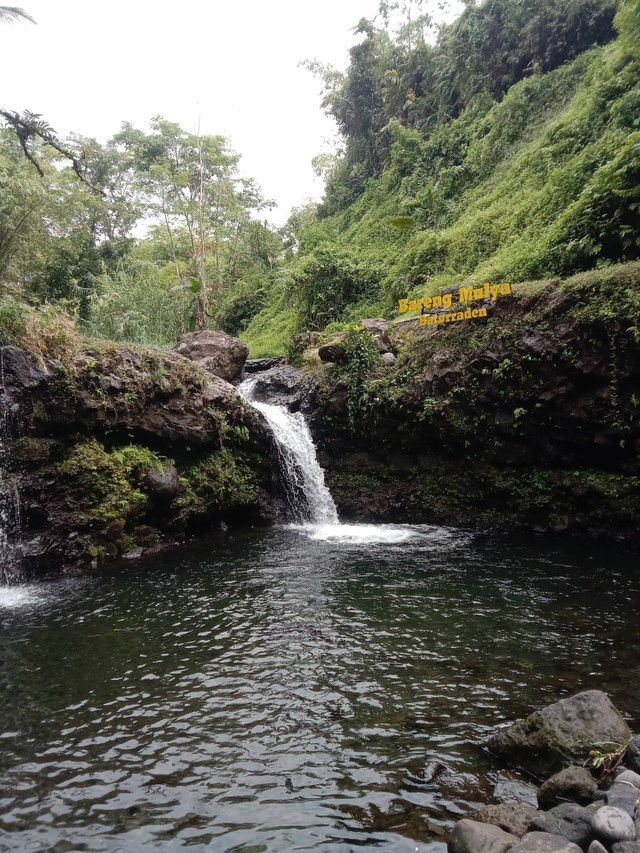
{"x":445,"y":300}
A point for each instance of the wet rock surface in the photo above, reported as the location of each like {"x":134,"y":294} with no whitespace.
{"x":594,"y":827}
{"x":513,"y":786}
{"x":567,"y":730}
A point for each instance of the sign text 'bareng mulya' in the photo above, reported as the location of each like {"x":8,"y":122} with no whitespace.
{"x":445,"y":301}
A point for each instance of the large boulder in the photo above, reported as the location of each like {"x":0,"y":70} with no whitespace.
{"x":469,"y":836}
{"x":562,"y":733}
{"x":216,"y":352}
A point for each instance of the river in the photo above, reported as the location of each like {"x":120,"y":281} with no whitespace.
{"x":297,"y":688}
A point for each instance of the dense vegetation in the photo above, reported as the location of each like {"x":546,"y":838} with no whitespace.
{"x":542,"y":180}
{"x":508,"y":147}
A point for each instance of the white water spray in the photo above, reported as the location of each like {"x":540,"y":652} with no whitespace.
{"x":308,"y":497}
{"x":9,"y":498}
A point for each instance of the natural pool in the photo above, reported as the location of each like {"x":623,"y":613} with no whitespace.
{"x":294,"y":689}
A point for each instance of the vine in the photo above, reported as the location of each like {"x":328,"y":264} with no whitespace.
{"x":360,"y":356}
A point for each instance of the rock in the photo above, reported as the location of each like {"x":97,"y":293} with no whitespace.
{"x":572,"y":785}
{"x":163,"y":484}
{"x":623,"y":795}
{"x":543,"y":842}
{"x":333,"y":351}
{"x":592,"y":808}
{"x":379,"y":329}
{"x":568,"y":820}
{"x":469,"y":836}
{"x":632,"y":757}
{"x":134,"y":554}
{"x":75,"y":419}
{"x":512,"y":817}
{"x":513,"y":786}
{"x":631,"y":777}
{"x":568,"y":730}
{"x":626,"y":847}
{"x":597,"y":847}
{"x":613,"y":824}
{"x":216,"y":352}
{"x":258,"y":365}
{"x":280,"y":386}
{"x":388,"y":358}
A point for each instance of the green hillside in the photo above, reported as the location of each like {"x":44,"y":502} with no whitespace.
{"x":541,"y":182}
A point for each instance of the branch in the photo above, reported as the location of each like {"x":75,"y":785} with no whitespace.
{"x":9,"y":14}
{"x":29,"y":128}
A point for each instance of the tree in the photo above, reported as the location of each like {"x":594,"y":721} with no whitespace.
{"x":190,"y":185}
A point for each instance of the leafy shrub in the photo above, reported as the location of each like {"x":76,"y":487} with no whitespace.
{"x":13,"y":321}
{"x":361,"y":356}
{"x":51,"y":333}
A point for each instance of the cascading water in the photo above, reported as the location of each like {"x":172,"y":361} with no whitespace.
{"x":9,"y":498}
{"x":307,"y":495}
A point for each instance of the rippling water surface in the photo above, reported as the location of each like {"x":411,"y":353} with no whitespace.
{"x":295,"y":689}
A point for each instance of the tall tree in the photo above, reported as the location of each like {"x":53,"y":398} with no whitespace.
{"x":190,"y":184}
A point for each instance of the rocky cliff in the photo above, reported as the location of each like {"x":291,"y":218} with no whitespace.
{"x":528,"y":418}
{"x":121,"y":450}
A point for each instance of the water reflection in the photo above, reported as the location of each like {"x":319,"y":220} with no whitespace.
{"x":282,"y":691}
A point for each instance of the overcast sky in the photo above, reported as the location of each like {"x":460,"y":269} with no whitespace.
{"x":231,"y":66}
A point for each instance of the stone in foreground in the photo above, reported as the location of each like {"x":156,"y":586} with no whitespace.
{"x":572,"y":785}
{"x":545,"y":741}
{"x":629,"y":776}
{"x":568,"y":820}
{"x":612,"y":824}
{"x":626,"y":847}
{"x":469,"y":836}
{"x":632,"y":757}
{"x":623,"y":795}
{"x":543,"y":842}
{"x":512,"y":817}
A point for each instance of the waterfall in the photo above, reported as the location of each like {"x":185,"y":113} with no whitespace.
{"x":308,"y":498}
{"x":9,"y":498}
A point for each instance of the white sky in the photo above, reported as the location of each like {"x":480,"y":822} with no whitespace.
{"x":89,"y":66}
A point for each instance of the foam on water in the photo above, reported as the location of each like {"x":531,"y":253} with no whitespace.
{"x":373,"y":534}
{"x":12,"y":597}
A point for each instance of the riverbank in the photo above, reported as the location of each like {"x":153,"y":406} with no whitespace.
{"x":589,"y":761}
